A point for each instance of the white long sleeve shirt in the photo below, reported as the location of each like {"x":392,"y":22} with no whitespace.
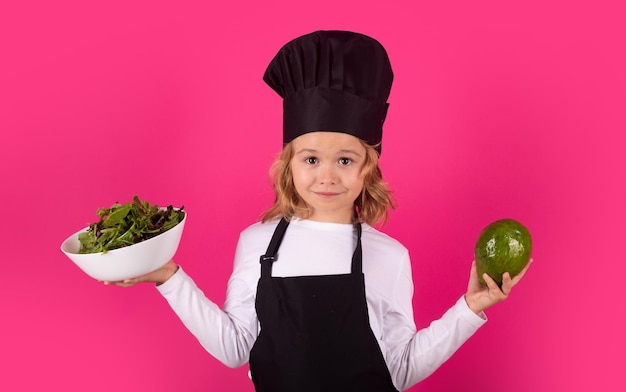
{"x":320,"y":248}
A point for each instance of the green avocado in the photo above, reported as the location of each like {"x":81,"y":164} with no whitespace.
{"x":503,"y":246}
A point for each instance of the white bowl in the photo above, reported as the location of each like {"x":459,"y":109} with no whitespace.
{"x":127,"y":262}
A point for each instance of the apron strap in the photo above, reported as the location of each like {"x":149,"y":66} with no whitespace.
{"x":357,"y":256}
{"x":269,"y":257}
{"x":270,"y":254}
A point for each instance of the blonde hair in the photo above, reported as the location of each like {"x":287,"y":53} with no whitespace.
{"x":371,"y":206}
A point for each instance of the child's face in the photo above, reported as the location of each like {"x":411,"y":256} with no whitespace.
{"x":326,"y":169}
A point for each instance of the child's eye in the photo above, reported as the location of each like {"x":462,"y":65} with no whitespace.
{"x":345,"y":161}
{"x":311,"y":160}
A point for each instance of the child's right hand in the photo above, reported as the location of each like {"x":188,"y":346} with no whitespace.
{"x":158,"y":276}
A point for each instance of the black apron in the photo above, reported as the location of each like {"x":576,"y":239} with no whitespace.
{"x":315,"y":333}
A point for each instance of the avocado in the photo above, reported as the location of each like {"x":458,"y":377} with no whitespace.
{"x":503,"y":246}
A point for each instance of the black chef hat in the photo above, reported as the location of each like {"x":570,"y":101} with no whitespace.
{"x":336,"y":81}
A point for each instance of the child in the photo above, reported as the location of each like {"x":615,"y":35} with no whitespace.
{"x":329,"y":305}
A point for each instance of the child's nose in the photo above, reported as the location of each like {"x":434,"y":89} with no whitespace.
{"x":327,"y":174}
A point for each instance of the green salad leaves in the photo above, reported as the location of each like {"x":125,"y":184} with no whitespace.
{"x":127,"y":224}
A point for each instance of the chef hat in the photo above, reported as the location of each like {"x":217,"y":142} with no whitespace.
{"x":336,"y":81}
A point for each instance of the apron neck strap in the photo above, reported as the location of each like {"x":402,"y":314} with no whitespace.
{"x":270,"y":254}
{"x":357,"y":256}
{"x":272,"y":250}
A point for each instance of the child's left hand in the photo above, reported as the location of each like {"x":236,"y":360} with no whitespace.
{"x":479,"y":297}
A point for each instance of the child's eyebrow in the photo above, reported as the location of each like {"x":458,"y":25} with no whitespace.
{"x":306,"y":151}
{"x":340,"y":152}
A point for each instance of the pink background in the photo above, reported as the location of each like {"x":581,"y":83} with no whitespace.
{"x":499,"y":109}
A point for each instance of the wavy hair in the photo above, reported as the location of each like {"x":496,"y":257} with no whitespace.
{"x":371,"y":206}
